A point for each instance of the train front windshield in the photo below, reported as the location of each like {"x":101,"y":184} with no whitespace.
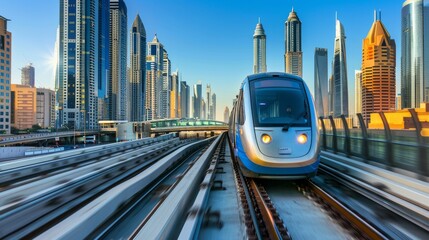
{"x":279,"y":102}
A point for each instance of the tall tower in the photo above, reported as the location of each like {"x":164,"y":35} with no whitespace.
{"x":338,"y":86}
{"x":259,"y":49}
{"x":208,"y":102}
{"x":213,"y":107}
{"x":378,"y":71}
{"x":358,"y":91}
{"x":165,"y":86}
{"x":137,"y":84}
{"x":415,"y":53}
{"x":321,"y":81}
{"x":293,"y":54}
{"x":197,"y":100}
{"x":174,"y":95}
{"x":117,"y":87}
{"x":184,"y":99}
{"x":83,"y":63}
{"x":27,"y":75}
{"x":155,"y":81}
{"x":5,"y":73}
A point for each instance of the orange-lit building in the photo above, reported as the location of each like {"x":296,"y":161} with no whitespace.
{"x":23,"y":106}
{"x":401,"y":119}
{"x":378,"y":71}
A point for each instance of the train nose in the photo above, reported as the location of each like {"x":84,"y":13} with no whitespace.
{"x":291,"y":144}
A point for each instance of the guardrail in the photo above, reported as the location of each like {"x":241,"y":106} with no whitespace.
{"x":396,"y":149}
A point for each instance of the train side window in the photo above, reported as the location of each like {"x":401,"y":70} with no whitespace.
{"x":241,"y":116}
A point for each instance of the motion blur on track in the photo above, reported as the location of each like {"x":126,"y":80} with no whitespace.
{"x":273,"y":127}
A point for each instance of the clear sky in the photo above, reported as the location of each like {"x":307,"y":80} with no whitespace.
{"x":211,"y":41}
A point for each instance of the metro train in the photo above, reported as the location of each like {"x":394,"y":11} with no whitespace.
{"x":273,"y":127}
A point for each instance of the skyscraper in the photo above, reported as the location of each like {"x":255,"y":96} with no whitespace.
{"x":27,"y":75}
{"x":137,"y":84}
{"x":197,"y":100}
{"x":184,"y":99}
{"x":226,"y":115}
{"x":358,"y":91}
{"x":83,"y":62}
{"x":165,"y":86}
{"x":213,"y":107}
{"x":293,"y":53}
{"x":154,"y":82}
{"x":45,"y":107}
{"x":338,"y":86}
{"x":5,"y":75}
{"x":259,"y":49}
{"x":117,"y":87}
{"x":208,"y":102}
{"x":415,"y":53}
{"x":321,"y":81}
{"x":378,"y":71}
{"x":174,"y":95}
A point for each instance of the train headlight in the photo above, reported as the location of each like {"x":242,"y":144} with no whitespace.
{"x":266,"y":138}
{"x":302,"y":138}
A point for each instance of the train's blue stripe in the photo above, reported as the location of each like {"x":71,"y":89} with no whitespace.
{"x":269,"y":170}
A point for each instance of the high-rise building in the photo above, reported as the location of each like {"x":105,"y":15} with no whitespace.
{"x":23,"y":106}
{"x":293,"y":53}
{"x":197,"y":100}
{"x":338,"y":86}
{"x":27,"y":75}
{"x":208,"y":102}
{"x":378,"y":71}
{"x":117,"y":87}
{"x":154,"y":78}
{"x":137,"y":72}
{"x":213,"y":107}
{"x":165,"y":87}
{"x":45,"y":108}
{"x":415,"y":53}
{"x":83,"y":63}
{"x":259,"y":49}
{"x":321,"y":81}
{"x":398,"y":102}
{"x":226,"y":115}
{"x":174,"y":95}
{"x":184,"y":99}
{"x":5,"y":75}
{"x":358,"y":91}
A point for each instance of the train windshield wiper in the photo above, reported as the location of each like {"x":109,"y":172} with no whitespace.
{"x":297,"y":121}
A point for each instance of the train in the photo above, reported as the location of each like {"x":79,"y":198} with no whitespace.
{"x":273,"y":127}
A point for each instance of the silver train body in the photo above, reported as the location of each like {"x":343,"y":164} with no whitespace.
{"x":273,"y":127}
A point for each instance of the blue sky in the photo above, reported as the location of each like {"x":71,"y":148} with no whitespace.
{"x":211,"y":41}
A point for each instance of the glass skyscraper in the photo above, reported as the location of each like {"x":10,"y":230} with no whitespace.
{"x":415,"y":53}
{"x":338,"y":90}
{"x":117,"y":87}
{"x":321,"y":81}
{"x":293,"y":52}
{"x":154,"y":78}
{"x":5,"y":76}
{"x":137,"y":84}
{"x":27,"y":75}
{"x":83,"y":63}
{"x":197,"y":100}
{"x":259,"y":49}
{"x":184,"y":99}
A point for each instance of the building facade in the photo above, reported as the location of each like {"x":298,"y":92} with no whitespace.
{"x":5,"y":76}
{"x":415,"y":53}
{"x":154,"y":78}
{"x":27,"y":75}
{"x":358,"y":91}
{"x":45,"y":108}
{"x":137,"y":72}
{"x":259,"y":49}
{"x":321,"y":81}
{"x":184,"y":99}
{"x":83,"y":63}
{"x":23,"y":99}
{"x":338,"y":89}
{"x":293,"y":52}
{"x":117,"y":87}
{"x":174,"y":95}
{"x":197,"y":100}
{"x":213,"y":107}
{"x":378,"y":71}
{"x":165,"y":87}
{"x":226,"y":115}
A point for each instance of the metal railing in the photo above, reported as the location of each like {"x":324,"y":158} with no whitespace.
{"x":396,"y":149}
